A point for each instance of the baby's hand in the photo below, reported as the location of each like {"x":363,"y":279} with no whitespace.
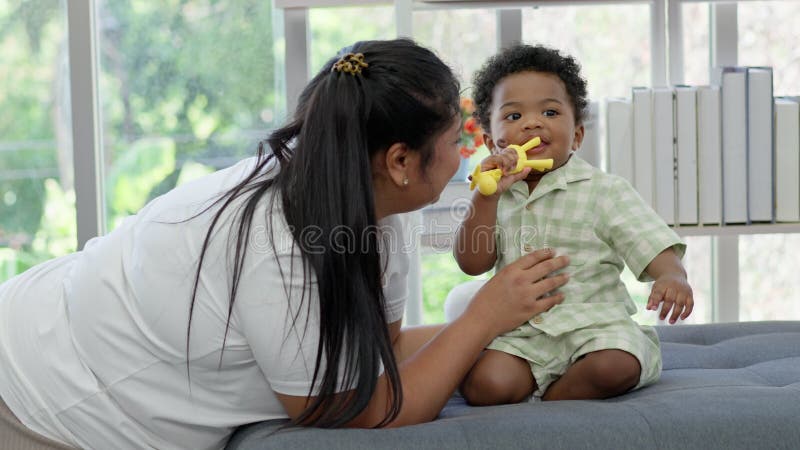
{"x":676,"y":294}
{"x":506,"y":160}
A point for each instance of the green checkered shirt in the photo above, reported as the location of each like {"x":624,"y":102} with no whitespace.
{"x":597,"y":219}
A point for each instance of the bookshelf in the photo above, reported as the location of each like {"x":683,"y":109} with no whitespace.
{"x":441,"y":219}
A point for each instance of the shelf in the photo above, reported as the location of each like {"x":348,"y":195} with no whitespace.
{"x":736,"y":230}
{"x":466,"y":4}
{"x":441,"y":219}
{"x":420,"y":5}
{"x":446,"y":4}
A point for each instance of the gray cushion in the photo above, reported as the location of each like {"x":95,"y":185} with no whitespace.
{"x":725,"y":386}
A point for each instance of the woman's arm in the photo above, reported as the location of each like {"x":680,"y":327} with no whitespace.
{"x":406,"y":341}
{"x":430,"y":375}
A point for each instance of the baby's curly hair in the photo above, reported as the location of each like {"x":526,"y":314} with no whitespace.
{"x":521,"y":58}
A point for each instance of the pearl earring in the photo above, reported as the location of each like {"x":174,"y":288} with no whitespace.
{"x":405,"y":181}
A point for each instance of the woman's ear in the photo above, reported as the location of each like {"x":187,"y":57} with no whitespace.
{"x":398,"y":161}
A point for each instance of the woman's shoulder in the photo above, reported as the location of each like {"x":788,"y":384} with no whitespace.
{"x":197,"y":195}
{"x":392,"y":223}
{"x":394,"y":243}
{"x":393,"y":232}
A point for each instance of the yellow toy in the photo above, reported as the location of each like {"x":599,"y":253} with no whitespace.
{"x":487,"y":181}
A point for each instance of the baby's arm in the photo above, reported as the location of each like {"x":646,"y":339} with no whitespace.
{"x":670,"y":287}
{"x":474,"y":248}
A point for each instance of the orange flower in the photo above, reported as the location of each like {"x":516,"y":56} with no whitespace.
{"x":471,"y":134}
{"x":467,"y":105}
{"x":471,"y":125}
{"x":466,"y":152}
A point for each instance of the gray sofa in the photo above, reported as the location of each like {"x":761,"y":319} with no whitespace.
{"x":724,"y":386}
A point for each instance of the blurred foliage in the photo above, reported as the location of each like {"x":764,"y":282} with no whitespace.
{"x":186,"y":86}
{"x":435,"y":288}
{"x":56,"y":233}
{"x":182,"y":81}
{"x":54,"y":236}
{"x":137,"y":172}
{"x":27,"y":31}
{"x":333,"y":28}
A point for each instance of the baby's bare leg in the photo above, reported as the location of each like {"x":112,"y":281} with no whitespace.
{"x":600,"y":374}
{"x":498,"y":378}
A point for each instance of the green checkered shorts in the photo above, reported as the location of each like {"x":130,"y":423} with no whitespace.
{"x":550,"y":353}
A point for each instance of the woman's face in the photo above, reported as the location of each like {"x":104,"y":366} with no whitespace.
{"x":426,"y":183}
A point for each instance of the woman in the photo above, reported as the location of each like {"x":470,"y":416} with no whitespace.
{"x":270,"y":289}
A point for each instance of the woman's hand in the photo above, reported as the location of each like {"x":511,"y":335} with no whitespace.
{"x":520,"y":291}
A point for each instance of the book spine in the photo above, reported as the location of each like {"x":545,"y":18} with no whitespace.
{"x":643,"y":165}
{"x":787,"y":160}
{"x":686,"y":135}
{"x":709,"y":149}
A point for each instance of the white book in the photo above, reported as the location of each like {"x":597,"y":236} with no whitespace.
{"x":760,"y":151}
{"x":787,"y":159}
{"x":686,"y":153}
{"x":590,"y":147}
{"x":709,"y":154}
{"x":664,"y":153}
{"x":619,"y":139}
{"x":643,"y":165}
{"x":733,"y":83}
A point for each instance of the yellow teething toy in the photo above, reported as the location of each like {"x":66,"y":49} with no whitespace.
{"x":487,"y":181}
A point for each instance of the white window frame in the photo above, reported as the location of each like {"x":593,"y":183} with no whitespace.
{"x":86,"y":125}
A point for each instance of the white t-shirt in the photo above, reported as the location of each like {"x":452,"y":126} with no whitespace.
{"x":93,"y":344}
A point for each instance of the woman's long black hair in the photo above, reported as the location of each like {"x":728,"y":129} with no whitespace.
{"x":405,"y":95}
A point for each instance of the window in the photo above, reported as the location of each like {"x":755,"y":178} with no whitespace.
{"x":769,"y":285}
{"x":768,"y":282}
{"x":189,"y":87}
{"x":37,"y":198}
{"x":333,"y":28}
{"x":696,"y":45}
{"x":435,"y":288}
{"x":768,"y":38}
{"x":612,"y":45}
{"x":611,"y":42}
{"x":185,"y":88}
{"x":697,"y":262}
{"x":463,"y":38}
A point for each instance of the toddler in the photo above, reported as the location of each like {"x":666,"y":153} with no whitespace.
{"x":588,"y":347}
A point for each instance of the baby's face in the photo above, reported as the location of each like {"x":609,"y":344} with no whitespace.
{"x":530,"y":104}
